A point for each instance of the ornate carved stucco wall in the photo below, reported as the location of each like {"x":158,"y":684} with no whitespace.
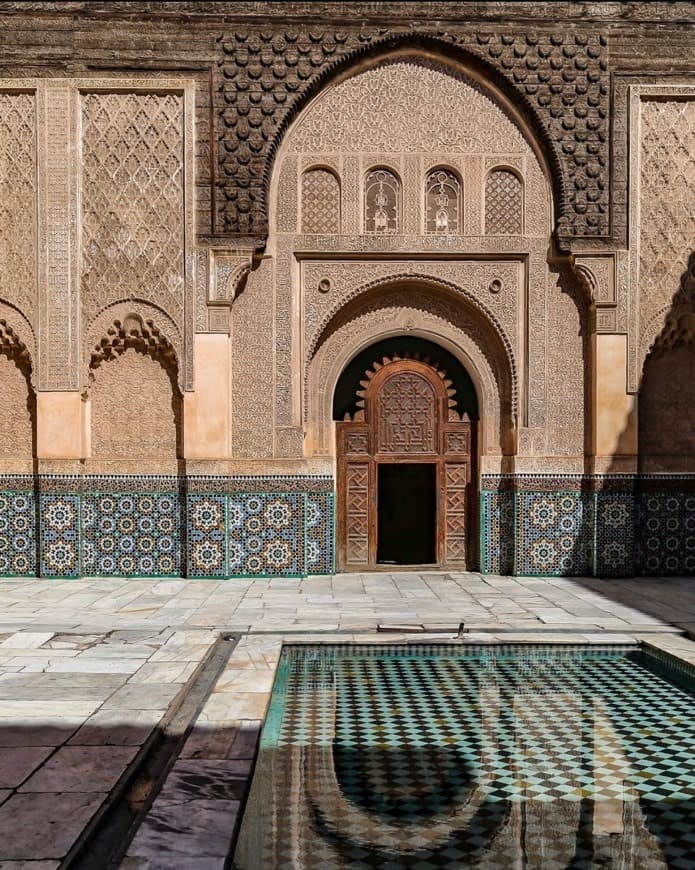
{"x":386,"y":115}
{"x":205,"y":110}
{"x":135,"y":409}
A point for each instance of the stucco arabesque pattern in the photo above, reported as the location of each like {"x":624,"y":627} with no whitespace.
{"x":559,"y":78}
{"x":667,"y":217}
{"x":473,"y":283}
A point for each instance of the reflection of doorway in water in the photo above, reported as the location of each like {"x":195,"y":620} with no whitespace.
{"x":407,"y":514}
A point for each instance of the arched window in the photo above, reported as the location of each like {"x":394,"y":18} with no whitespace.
{"x":320,"y":202}
{"x":503,"y":204}
{"x":382,"y":202}
{"x":443,"y":203}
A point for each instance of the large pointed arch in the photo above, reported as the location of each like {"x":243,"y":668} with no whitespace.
{"x":456,"y":60}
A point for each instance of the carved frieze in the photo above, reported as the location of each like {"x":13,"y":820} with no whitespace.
{"x":348,"y":279}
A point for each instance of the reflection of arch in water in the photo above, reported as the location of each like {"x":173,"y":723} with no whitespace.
{"x":344,"y":819}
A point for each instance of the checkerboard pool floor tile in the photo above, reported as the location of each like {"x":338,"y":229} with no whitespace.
{"x":494,"y":757}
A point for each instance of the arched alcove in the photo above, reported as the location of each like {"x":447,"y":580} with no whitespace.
{"x":17,"y":397}
{"x":404,"y":346}
{"x":135,"y":401}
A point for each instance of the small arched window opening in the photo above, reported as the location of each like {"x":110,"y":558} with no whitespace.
{"x":443,"y":203}
{"x":382,"y":202}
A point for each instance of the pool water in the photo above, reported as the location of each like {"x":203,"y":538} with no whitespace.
{"x":485,"y":756}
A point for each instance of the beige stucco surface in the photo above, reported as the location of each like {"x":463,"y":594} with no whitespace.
{"x":207,"y":408}
{"x":59,"y":425}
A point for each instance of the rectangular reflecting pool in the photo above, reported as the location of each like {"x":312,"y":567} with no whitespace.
{"x":485,"y":756}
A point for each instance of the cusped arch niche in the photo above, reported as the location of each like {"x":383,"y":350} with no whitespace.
{"x":408,"y":112}
{"x":432,"y":313}
{"x":17,"y":393}
{"x":133,"y":386}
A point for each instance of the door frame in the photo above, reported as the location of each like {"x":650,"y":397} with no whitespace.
{"x":359,"y":454}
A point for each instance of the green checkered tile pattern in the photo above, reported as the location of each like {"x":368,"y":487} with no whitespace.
{"x":437,"y":756}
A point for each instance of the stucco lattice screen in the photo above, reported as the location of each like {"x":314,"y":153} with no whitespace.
{"x":320,"y":202}
{"x":18,"y":200}
{"x":503,"y":204}
{"x":382,"y":202}
{"x":443,"y":203}
{"x":132,"y":199}
{"x":667,"y":206}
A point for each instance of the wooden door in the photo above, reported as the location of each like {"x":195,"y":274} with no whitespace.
{"x":407,"y":414}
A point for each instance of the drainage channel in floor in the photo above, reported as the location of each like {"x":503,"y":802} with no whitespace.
{"x":105,"y":841}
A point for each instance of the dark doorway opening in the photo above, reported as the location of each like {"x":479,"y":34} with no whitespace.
{"x":407,"y":514}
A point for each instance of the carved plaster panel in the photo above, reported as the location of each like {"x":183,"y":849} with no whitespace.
{"x":104,"y":171}
{"x":137,"y":201}
{"x":59,"y":319}
{"x":330,"y":285}
{"x":662,"y":216}
{"x":18,"y":201}
{"x":392,"y":108}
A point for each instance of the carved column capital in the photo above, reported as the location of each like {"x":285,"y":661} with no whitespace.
{"x":597,"y":275}
{"x":229,"y":269}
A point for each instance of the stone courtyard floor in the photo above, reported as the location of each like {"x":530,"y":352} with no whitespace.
{"x":130,"y":709}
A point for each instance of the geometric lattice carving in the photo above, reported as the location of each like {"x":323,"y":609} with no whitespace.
{"x":320,"y":202}
{"x":503,"y":204}
{"x":443,"y":202}
{"x":382,"y":202}
{"x":666,"y":203}
{"x":407,"y":409}
{"x":357,"y":512}
{"x":457,"y":478}
{"x":18,"y":200}
{"x":132,"y":200}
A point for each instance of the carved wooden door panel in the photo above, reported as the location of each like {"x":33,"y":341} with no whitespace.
{"x":406,"y":415}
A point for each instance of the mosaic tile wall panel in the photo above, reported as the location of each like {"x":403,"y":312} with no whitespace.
{"x":320,"y":533}
{"x":666,"y":539}
{"x":497,"y":527}
{"x":266,"y":534}
{"x":18,"y":544}
{"x":206,"y":519}
{"x":131,"y":534}
{"x":606,"y":526}
{"x":60,"y":535}
{"x":554,"y":533}
{"x":166,"y":526}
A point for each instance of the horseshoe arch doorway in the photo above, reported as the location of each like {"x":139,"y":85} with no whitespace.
{"x":407,"y":416}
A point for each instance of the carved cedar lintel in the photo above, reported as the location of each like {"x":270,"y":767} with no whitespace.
{"x":597,"y":276}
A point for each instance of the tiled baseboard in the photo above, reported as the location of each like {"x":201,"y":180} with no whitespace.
{"x":163,"y":526}
{"x":283,"y":526}
{"x":602,"y":525}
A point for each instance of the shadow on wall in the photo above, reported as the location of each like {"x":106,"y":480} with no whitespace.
{"x":616,"y":524}
{"x":659,"y":501}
